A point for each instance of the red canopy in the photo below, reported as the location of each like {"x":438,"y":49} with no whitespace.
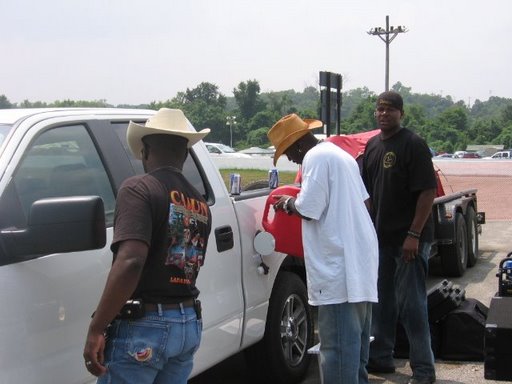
{"x":354,"y":144}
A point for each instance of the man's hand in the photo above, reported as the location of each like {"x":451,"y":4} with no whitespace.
{"x":410,"y":249}
{"x":94,"y":353}
{"x":281,"y":200}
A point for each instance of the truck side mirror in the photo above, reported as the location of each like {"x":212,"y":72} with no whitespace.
{"x":56,"y":225}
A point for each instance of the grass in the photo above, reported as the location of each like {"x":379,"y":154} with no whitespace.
{"x":249,"y":176}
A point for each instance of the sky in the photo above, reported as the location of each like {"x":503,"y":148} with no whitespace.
{"x":139,"y":51}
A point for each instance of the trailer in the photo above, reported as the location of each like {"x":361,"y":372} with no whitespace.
{"x":457,"y":225}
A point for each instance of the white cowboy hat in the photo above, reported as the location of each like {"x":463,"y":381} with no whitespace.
{"x":166,"y":121}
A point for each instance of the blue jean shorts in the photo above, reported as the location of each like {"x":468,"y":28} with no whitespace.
{"x":157,"y":348}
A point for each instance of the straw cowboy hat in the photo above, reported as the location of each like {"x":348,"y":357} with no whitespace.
{"x":288,"y":130}
{"x":166,"y":121}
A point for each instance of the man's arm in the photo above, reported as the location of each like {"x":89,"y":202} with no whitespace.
{"x":423,"y":210}
{"x":121,"y":283}
{"x":368,"y":203}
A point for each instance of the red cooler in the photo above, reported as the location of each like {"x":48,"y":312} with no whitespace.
{"x":286,"y":229}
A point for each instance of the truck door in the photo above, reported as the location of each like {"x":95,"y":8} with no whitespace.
{"x":47,"y":299}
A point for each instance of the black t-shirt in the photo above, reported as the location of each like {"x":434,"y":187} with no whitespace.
{"x":165,"y":211}
{"x":395,"y":171}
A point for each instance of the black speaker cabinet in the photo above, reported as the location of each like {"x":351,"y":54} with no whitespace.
{"x":498,"y":340}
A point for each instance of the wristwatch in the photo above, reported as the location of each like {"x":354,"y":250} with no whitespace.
{"x":286,"y":208}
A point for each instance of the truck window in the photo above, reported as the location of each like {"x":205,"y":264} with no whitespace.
{"x":4,"y":130}
{"x":190,"y":168}
{"x":60,"y":162}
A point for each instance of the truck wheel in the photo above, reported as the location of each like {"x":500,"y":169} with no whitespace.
{"x":454,"y":257}
{"x":282,"y":356}
{"x":472,"y":227}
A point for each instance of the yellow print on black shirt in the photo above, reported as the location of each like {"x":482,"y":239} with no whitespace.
{"x":187,"y":220}
{"x":389,"y":160}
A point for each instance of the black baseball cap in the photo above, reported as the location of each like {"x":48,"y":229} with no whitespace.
{"x":390,"y":99}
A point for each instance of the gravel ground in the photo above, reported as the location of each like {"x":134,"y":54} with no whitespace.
{"x":493,"y":180}
{"x":480,"y":282}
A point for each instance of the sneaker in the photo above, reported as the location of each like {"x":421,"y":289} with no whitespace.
{"x":424,"y":380}
{"x":376,"y":368}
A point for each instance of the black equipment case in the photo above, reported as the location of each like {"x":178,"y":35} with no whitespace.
{"x":462,"y":332}
{"x":498,"y":340}
{"x":443,"y":298}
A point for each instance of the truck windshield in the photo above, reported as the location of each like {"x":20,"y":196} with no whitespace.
{"x":4,"y":130}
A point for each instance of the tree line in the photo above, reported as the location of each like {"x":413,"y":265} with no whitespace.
{"x":446,"y":125}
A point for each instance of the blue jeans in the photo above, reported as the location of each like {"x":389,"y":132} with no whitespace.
{"x":403,"y":296}
{"x":344,"y":331}
{"x":157,"y":348}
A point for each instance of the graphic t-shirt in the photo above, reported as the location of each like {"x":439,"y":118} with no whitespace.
{"x":165,"y":211}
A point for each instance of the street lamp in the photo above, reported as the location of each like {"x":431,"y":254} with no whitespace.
{"x":378,"y":31}
{"x":230,"y":121}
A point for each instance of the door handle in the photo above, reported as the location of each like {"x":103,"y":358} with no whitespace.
{"x":224,"y":238}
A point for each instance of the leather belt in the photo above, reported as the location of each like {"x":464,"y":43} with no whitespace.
{"x":151,"y":307}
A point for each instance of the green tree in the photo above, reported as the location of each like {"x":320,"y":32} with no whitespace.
{"x":506,"y":114}
{"x":35,"y":104}
{"x":279,"y":103}
{"x":455,"y":117}
{"x":5,"y":103}
{"x":204,"y":106}
{"x":257,"y":138}
{"x":351,"y":99}
{"x":362,"y":118}
{"x":258,"y":127}
{"x":414,"y":116}
{"x":505,"y":137}
{"x":247,"y":96}
{"x":207,"y":92}
{"x":484,"y":130}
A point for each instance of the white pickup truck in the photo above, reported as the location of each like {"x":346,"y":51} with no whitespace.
{"x":59,"y":173}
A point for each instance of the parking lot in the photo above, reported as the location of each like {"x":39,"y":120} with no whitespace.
{"x":494,"y":182}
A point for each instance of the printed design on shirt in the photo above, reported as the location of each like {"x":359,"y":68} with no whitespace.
{"x":142,"y":355}
{"x":389,"y":160}
{"x":187,"y":218}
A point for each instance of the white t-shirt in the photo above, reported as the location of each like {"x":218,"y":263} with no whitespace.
{"x":340,"y":244}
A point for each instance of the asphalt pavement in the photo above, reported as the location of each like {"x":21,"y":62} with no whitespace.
{"x":480,"y":282}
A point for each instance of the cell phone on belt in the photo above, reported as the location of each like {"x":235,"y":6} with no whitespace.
{"x":197,"y":308}
{"x":133,"y":309}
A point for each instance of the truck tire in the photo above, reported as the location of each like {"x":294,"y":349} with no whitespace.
{"x":472,"y":227}
{"x":454,"y":257}
{"x":282,"y":356}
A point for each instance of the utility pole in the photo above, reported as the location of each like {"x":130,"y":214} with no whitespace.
{"x":384,"y":36}
{"x":230,"y":121}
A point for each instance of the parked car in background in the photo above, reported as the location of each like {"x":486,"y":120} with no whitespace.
{"x":471,"y":155}
{"x":458,"y":154}
{"x":218,"y":149}
{"x":444,"y":156}
{"x":501,"y":155}
{"x":257,"y":151}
